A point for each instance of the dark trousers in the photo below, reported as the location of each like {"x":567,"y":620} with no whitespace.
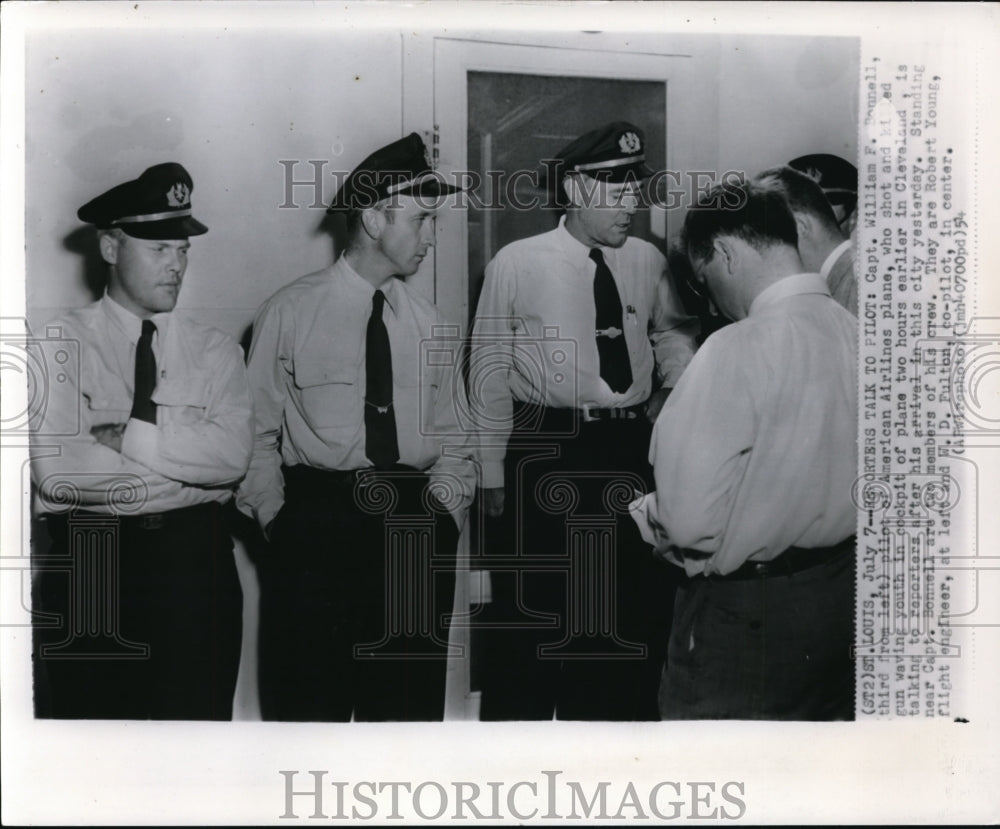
{"x":775,"y":647}
{"x":580,"y":621}
{"x":355,"y":595}
{"x":137,"y":617}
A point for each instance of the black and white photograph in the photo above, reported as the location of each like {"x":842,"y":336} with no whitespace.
{"x":413,"y":415}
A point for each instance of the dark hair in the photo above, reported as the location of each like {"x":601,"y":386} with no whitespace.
{"x":755,"y":214}
{"x":803,"y":193}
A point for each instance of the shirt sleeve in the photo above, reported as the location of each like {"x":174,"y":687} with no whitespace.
{"x":700,"y":448}
{"x":71,"y":468}
{"x":213,"y":450}
{"x":852,"y":292}
{"x":672,"y":332}
{"x":453,"y":475}
{"x":491,"y":361}
{"x":262,"y":492}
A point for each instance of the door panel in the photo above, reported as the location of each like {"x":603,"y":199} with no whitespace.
{"x":514,"y":122}
{"x":508,"y":105}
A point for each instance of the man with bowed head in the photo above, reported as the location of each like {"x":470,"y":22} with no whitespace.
{"x":755,"y":456}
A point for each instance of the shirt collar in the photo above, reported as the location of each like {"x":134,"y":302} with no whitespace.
{"x":572,"y":246}
{"x":357,"y":283}
{"x":831,"y":260}
{"x":800,"y":283}
{"x":128,"y":323}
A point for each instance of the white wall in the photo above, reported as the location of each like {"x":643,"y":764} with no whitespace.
{"x":782,"y":97}
{"x":101,"y":107}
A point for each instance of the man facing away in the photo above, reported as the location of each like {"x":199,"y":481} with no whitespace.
{"x":823,"y":246}
{"x":142,"y":443}
{"x":838,"y":179}
{"x":360,"y":475}
{"x":754,"y":456}
{"x":578,"y":339}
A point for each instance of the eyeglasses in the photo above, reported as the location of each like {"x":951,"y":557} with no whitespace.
{"x":697,"y":284}
{"x":699,"y":287}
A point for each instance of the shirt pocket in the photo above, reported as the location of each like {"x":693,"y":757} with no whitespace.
{"x":329,"y":393}
{"x":182,"y":402}
{"x":414,"y":396}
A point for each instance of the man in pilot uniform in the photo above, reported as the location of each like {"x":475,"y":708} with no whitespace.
{"x":360,"y":475}
{"x":579,"y":337}
{"x":143,"y":439}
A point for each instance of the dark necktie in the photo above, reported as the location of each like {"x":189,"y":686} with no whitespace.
{"x":381,"y":445}
{"x":143,"y":407}
{"x":616,"y":369}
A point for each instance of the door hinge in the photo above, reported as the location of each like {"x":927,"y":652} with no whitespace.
{"x":433,"y":140}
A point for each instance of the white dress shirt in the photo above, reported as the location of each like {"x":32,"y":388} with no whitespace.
{"x":534,"y":334}
{"x":755,"y":451}
{"x":196,"y":451}
{"x":307,"y":373}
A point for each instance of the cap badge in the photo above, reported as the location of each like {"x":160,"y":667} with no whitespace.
{"x":629,"y":143}
{"x":815,"y":174}
{"x":179,"y":195}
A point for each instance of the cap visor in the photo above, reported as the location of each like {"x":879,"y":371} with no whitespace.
{"x":431,"y":189}
{"x":837,"y":196}
{"x":629,"y":172}
{"x":180,"y":228}
{"x":614,"y":175}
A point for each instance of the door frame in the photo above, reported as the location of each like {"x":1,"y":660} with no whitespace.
{"x":435,"y":69}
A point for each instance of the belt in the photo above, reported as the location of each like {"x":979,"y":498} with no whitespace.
{"x":793,"y":560}
{"x":152,"y":521}
{"x":308,"y":479}
{"x":144,"y":521}
{"x":622,"y":413}
{"x":540,"y":415}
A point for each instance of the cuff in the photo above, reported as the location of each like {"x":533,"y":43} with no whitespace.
{"x":243,"y":507}
{"x":643,"y":512}
{"x":459,"y":516}
{"x":266,"y":515}
{"x":139,"y":441}
{"x":492,"y":475}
